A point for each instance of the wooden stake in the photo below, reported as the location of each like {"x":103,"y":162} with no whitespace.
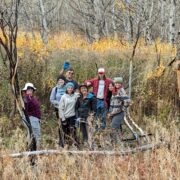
{"x":178,"y":81}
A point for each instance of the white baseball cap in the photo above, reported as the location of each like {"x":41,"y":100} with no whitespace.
{"x":27,"y":85}
{"x":101,"y":70}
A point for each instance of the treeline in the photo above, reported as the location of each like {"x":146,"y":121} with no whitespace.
{"x":96,"y":19}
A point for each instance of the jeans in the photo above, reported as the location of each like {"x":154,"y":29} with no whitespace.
{"x":35,"y":124}
{"x":117,"y":120}
{"x":101,"y":112}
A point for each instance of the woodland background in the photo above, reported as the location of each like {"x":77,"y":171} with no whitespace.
{"x":86,"y":32}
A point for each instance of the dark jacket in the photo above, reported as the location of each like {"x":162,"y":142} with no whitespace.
{"x":85,"y":106}
{"x":32,"y":106}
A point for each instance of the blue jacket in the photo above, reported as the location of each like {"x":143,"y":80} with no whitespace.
{"x":56,"y":95}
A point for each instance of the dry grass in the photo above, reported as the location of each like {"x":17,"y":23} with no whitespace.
{"x":157,"y":164}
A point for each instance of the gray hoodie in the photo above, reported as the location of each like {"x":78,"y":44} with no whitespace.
{"x":67,"y":106}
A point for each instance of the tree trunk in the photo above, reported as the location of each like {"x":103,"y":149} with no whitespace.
{"x":97,"y":14}
{"x":172,"y":10}
{"x":148,"y":19}
{"x":163,"y":8}
{"x":43,"y":22}
{"x":178,"y":62}
{"x":114,"y":22}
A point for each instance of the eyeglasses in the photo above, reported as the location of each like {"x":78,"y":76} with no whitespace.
{"x":71,"y":73}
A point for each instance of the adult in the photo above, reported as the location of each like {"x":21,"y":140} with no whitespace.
{"x":32,"y":108}
{"x":69,"y":75}
{"x":67,"y":111}
{"x":119,"y":101}
{"x":109,"y":94}
{"x":57,"y":92}
{"x":85,"y":105}
{"x":100,"y":86}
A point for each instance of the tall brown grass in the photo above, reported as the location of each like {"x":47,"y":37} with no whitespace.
{"x":160,"y":163}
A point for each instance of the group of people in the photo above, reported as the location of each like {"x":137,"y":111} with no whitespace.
{"x":74,"y":103}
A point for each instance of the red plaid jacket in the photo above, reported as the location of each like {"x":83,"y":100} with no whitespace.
{"x":95,"y":84}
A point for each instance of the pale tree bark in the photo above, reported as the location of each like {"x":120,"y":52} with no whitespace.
{"x":85,"y":26}
{"x":97,"y":13}
{"x":43,"y":23}
{"x":132,"y":58}
{"x":128,"y":21}
{"x":114,"y":21}
{"x":172,"y":23}
{"x":163,"y":9}
{"x":149,"y":6}
{"x":178,"y":62}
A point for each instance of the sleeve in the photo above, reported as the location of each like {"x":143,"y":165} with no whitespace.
{"x":76,"y":85}
{"x":53,"y":98}
{"x":125,"y":96}
{"x":61,"y":108}
{"x":91,"y":81}
{"x":25,"y":99}
{"x":76,"y":108}
{"x":93,"y":104}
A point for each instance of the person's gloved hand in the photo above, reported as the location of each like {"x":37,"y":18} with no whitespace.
{"x":64,"y":122}
{"x":66,"y":65}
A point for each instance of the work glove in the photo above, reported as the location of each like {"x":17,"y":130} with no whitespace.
{"x":66,"y":65}
{"x":64,"y":122}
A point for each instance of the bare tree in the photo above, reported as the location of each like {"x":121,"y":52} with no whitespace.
{"x":172,"y":10}
{"x":9,"y":15}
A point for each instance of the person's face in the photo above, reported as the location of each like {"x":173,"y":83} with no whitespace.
{"x":118,"y":85}
{"x":70,"y":74}
{"x":83,"y":90}
{"x":111,"y":87}
{"x":29,"y":91}
{"x":60,"y":82}
{"x":70,"y":90}
{"x":101,"y":75}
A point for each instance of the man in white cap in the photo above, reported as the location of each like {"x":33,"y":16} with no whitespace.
{"x":100,"y":86}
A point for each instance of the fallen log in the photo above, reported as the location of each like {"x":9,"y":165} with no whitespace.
{"x":106,"y":153}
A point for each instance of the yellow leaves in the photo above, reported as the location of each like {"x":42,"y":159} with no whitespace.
{"x":28,"y":46}
{"x":49,"y":83}
{"x":155,"y":74}
{"x":106,"y":44}
{"x":32,"y":47}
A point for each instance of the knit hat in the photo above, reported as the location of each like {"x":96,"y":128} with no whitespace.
{"x":118,"y":80}
{"x":83,"y":85}
{"x":69,"y":84}
{"x":66,"y":65}
{"x":101,"y":70}
{"x":61,"y":77}
{"x":28,"y":85}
